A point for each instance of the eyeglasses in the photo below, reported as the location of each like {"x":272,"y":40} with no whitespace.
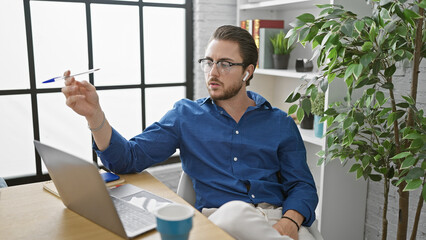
{"x":222,"y":66}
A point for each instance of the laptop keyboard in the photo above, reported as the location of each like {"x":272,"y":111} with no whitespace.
{"x":133,"y":217}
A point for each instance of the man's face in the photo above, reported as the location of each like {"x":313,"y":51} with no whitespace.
{"x":223,"y":85}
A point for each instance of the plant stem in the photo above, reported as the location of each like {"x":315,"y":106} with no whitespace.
{"x":385,"y":209}
{"x":418,"y":212}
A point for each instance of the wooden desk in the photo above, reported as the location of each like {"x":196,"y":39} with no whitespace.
{"x":29,"y":212}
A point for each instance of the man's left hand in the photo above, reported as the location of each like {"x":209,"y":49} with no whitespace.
{"x":287,"y":227}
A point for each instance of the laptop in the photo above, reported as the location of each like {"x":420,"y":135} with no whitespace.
{"x":125,"y":210}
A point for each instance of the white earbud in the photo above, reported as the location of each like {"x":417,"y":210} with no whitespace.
{"x":246,"y":76}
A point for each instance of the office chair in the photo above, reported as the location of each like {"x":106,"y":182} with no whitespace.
{"x":2,"y":183}
{"x":186,"y":191}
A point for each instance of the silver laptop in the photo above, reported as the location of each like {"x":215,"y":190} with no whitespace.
{"x":125,"y":210}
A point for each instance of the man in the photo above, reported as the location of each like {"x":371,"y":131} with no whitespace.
{"x":246,"y":159}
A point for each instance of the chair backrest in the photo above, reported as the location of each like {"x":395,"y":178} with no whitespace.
{"x":185,"y":189}
{"x":3,"y":183}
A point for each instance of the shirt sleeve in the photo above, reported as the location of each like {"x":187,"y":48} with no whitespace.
{"x":155,"y":144}
{"x":298,"y":184}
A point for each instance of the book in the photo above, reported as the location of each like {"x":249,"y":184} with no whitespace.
{"x":243,"y":24}
{"x":249,"y":26}
{"x":264,"y":23}
{"x":265,"y":47}
{"x":51,"y":188}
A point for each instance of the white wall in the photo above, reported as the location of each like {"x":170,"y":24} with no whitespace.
{"x":208,"y":15}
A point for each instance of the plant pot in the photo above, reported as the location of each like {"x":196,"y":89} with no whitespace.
{"x":307,"y":122}
{"x":280,"y":61}
{"x":318,"y":126}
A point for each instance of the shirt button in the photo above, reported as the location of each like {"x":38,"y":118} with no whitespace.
{"x":237,"y":132}
{"x":235,"y":159}
{"x":252,"y":196}
{"x":221,"y":112}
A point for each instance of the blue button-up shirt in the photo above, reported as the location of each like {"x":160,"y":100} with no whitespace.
{"x":261,"y":158}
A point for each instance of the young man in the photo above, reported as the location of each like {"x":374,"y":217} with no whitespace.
{"x":246,"y":159}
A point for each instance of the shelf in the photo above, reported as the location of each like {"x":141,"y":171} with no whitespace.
{"x":309,"y":136}
{"x":285,"y":73}
{"x":274,"y":4}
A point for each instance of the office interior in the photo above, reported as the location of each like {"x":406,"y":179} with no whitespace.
{"x":147,"y":52}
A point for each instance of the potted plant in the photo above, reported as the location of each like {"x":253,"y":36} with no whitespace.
{"x":282,"y":50}
{"x":318,"y":112}
{"x":380,"y":133}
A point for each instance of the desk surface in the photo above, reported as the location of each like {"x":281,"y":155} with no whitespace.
{"x":29,"y":212}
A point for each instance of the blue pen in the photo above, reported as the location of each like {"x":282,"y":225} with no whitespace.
{"x":63,"y":77}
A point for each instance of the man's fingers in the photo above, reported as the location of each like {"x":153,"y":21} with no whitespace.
{"x":88,"y":86}
{"x":72,"y":100}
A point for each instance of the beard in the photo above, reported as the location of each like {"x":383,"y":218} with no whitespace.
{"x":228,"y":92}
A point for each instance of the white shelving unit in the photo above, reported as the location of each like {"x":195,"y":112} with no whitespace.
{"x":342,"y":199}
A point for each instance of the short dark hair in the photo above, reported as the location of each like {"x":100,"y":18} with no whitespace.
{"x":248,"y":49}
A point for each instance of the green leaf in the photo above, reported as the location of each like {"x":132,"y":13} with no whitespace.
{"x":367,"y":58}
{"x":347,"y":123}
{"x":328,"y":24}
{"x":388,"y":85}
{"x":292,"y":97}
{"x":300,"y":114}
{"x":384,"y":14}
{"x":349,"y":71}
{"x":357,"y":70}
{"x":324,"y":5}
{"x":390,"y":71}
{"x":409,"y":99}
{"x":375,"y":177}
{"x":359,"y":117}
{"x":391,"y":119}
{"x":410,"y":15}
{"x":415,"y":173}
{"x":401,"y":31}
{"x":359,"y":25}
{"x":355,"y":167}
{"x":292,"y":109}
{"x":367,"y":46}
{"x":416,"y":143}
{"x":401,"y":155}
{"x":365,"y":161}
{"x":413,"y":185}
{"x":413,"y":136}
{"x":380,"y":97}
{"x":408,"y":162}
{"x":348,"y":28}
{"x":422,"y":5}
{"x":359,"y":173}
{"x":306,"y":17}
{"x":306,"y":105}
{"x":297,"y":24}
{"x":349,"y":81}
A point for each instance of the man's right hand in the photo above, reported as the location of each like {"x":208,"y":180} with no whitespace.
{"x":84,"y":100}
{"x":81,"y":97}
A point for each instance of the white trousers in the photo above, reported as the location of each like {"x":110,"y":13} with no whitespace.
{"x":245,"y":222}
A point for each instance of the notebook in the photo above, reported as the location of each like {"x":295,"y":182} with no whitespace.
{"x":125,"y":210}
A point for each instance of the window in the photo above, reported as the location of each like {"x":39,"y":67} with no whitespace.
{"x":144,"y":50}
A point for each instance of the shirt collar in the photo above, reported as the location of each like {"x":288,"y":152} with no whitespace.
{"x":257,"y":98}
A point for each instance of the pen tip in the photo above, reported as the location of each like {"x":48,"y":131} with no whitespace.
{"x":49,"y":81}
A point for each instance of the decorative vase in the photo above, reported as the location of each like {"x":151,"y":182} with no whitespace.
{"x":307,"y":122}
{"x":318,"y":126}
{"x":280,"y":61}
